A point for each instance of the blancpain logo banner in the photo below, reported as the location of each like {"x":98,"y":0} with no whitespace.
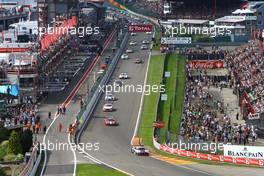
{"x":241,"y":151}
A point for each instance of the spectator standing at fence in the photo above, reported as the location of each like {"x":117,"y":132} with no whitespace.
{"x":49,"y":115}
{"x":44,"y":129}
{"x":64,"y":109}
{"x":58,"y":109}
{"x":60,"y":127}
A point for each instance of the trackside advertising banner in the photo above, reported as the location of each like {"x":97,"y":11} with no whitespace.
{"x":246,"y":159}
{"x":239,"y":151}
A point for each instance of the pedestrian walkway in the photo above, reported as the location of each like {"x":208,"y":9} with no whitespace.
{"x":61,"y":158}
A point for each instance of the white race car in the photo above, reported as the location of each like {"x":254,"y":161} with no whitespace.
{"x":133,"y":43}
{"x":124,"y":56}
{"x":149,"y":33}
{"x":144,"y":47}
{"x":123,"y":76}
{"x":139,"y":150}
{"x":129,"y":51}
{"x":133,"y":34}
{"x":145,"y":42}
{"x":110,"y":97}
{"x":108,"y":107}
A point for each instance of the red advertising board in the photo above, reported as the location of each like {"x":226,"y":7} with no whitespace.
{"x":140,"y":28}
{"x":202,"y":64}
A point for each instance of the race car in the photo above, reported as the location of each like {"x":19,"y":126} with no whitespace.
{"x":145,"y":42}
{"x":118,"y":83}
{"x":101,"y":71}
{"x":133,"y":34}
{"x":144,"y":47}
{"x":129,"y":51}
{"x":110,"y":97}
{"x":108,"y":107}
{"x":123,"y":75}
{"x":138,"y":61}
{"x":124,"y":56}
{"x":110,"y":121}
{"x":139,"y":150}
{"x":132,"y":43}
{"x":149,"y":33}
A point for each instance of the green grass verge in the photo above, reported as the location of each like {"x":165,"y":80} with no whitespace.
{"x":96,"y":170}
{"x":156,"y":45}
{"x":155,"y":73}
{"x":170,"y":86}
{"x":175,"y":64}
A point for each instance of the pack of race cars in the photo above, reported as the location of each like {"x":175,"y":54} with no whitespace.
{"x":110,"y":120}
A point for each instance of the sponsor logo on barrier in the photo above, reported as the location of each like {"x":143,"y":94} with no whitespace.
{"x":205,"y":64}
{"x":244,"y":151}
{"x":221,"y":158}
{"x":140,"y":28}
{"x":176,"y":40}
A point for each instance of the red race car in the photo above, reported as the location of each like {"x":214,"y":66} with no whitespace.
{"x":110,"y":121}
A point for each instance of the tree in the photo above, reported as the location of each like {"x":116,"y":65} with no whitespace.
{"x":27,"y":140}
{"x":14,"y":145}
{"x":2,"y":172}
{"x":4,"y":134}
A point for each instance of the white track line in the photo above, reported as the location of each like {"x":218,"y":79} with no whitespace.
{"x":97,"y":161}
{"x":141,"y":99}
{"x":57,"y":115}
{"x":74,"y":154}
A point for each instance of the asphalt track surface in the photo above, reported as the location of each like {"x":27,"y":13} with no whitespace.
{"x":60,"y":156}
{"x":115,"y":141}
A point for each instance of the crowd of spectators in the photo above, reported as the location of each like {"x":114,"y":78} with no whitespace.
{"x":247,"y":66}
{"x":204,"y":118}
{"x":202,"y":54}
{"x":25,"y":114}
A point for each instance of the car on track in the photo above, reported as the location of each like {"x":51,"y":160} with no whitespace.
{"x":110,"y":121}
{"x":118,"y":83}
{"x":139,"y":61}
{"x":149,"y":33}
{"x":145,"y":42}
{"x":108,"y":107}
{"x":144,"y":47}
{"x":132,"y":43}
{"x":133,"y":34}
{"x":124,"y":56}
{"x":129,"y":51}
{"x":110,"y":97}
{"x":139,"y":150}
{"x":123,"y":75}
{"x":101,"y":71}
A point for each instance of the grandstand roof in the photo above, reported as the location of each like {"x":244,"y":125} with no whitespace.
{"x":231,"y":19}
{"x":189,"y":21}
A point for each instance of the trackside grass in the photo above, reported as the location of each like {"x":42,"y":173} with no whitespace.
{"x":175,"y":87}
{"x":150,"y":101}
{"x":96,"y":170}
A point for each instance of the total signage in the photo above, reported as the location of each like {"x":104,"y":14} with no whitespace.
{"x":140,"y":28}
{"x":201,"y":64}
{"x":241,"y":151}
{"x":176,"y":40}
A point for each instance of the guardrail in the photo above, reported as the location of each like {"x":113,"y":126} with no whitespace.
{"x":97,"y":94}
{"x":32,"y":165}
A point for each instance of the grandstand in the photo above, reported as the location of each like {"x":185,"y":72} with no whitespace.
{"x":202,"y":9}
